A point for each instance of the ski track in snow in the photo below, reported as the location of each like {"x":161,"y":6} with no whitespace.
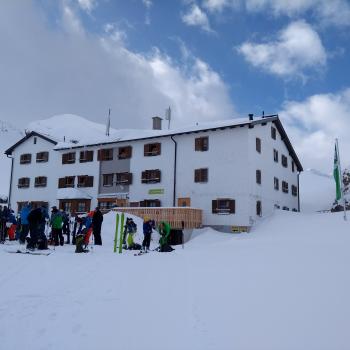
{"x":284,"y":286}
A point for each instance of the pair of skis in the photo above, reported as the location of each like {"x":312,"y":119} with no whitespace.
{"x":119,"y":227}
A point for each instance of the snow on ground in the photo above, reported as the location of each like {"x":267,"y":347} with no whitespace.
{"x":283,"y":286}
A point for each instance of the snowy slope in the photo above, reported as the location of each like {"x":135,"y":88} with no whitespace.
{"x":284,"y":286}
{"x":8,"y":136}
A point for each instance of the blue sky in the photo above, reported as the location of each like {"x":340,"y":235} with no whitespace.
{"x":207,"y":59}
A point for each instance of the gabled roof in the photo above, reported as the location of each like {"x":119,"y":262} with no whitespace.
{"x":25,"y":138}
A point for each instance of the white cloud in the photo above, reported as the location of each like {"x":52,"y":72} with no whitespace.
{"x":297,"y":49}
{"x":87,"y":5}
{"x":196,"y":17}
{"x":335,"y":12}
{"x":147,"y":3}
{"x":47,"y":71}
{"x":314,"y":124}
{"x":219,"y":5}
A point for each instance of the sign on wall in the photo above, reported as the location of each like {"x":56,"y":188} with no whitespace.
{"x":156,"y":191}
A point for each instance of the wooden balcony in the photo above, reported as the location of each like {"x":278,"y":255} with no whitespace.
{"x":177,"y":217}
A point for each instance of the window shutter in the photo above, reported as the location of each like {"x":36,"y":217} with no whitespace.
{"x":232,"y":206}
{"x":197,"y":144}
{"x":197,"y":175}
{"x":157,"y":202}
{"x":146,"y":149}
{"x":129,"y":151}
{"x":64,"y":158}
{"x":129,"y":178}
{"x":144,"y":177}
{"x":158,"y":147}
{"x":157,"y":175}
{"x":61,"y":182}
{"x":214,"y":206}
{"x":204,"y":175}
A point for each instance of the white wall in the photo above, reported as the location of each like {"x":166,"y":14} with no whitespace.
{"x":32,"y":170}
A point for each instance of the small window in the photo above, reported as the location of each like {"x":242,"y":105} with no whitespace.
{"x":35,"y":139}
{"x":258,"y":177}
{"x":134,"y":204}
{"x":285,"y":208}
{"x":107,"y":180}
{"x":124,"y":152}
{"x":294,"y":190}
{"x":40,"y":181}
{"x":223,"y":206}
{"x":105,"y":154}
{"x":295,"y":210}
{"x":152,"y":149}
{"x":150,"y":203}
{"x":285,"y":187}
{"x":293,"y":166}
{"x":68,"y":158}
{"x":124,"y":178}
{"x":284,"y":161}
{"x":276,"y":184}
{"x":25,"y":158}
{"x":150,"y":176}
{"x":258,"y":208}
{"x":42,"y":157}
{"x":258,"y":145}
{"x":82,"y":207}
{"x":86,"y":156}
{"x":64,"y":182}
{"x":85,"y":181}
{"x":201,"y":175}
{"x":273,"y":132}
{"x":106,"y":205}
{"x":275,"y":155}
{"x":201,"y":144}
{"x":23,"y":182}
{"x":276,"y":206}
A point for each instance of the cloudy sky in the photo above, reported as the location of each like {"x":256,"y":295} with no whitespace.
{"x":207,"y":59}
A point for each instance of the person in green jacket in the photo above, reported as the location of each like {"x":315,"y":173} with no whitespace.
{"x":164,"y":231}
{"x":56,"y":222}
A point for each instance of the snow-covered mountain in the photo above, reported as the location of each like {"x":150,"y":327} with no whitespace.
{"x":8,"y":136}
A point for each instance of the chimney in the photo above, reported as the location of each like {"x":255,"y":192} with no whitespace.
{"x":157,"y":123}
{"x":250,"y":115}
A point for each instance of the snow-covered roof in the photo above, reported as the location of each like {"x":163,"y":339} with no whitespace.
{"x":72,"y":193}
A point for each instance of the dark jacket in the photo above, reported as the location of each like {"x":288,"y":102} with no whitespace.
{"x":97,"y":219}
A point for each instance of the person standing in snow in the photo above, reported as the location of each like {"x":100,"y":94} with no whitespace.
{"x":65,"y":227}
{"x":56,"y":225}
{"x":24,"y":222}
{"x":97,"y":220}
{"x":37,"y":220}
{"x":148,"y":225}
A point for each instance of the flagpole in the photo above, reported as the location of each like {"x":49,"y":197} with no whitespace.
{"x":341,"y":181}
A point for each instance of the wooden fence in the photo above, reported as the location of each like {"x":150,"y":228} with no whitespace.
{"x":177,"y":217}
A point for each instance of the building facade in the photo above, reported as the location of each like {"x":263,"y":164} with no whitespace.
{"x":235,"y":171}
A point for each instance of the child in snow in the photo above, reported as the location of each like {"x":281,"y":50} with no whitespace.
{"x":148,"y":225}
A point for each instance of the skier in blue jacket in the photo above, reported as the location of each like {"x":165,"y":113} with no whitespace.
{"x":24,"y":222}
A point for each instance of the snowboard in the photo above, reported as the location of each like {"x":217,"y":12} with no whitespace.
{"x":121,"y":233}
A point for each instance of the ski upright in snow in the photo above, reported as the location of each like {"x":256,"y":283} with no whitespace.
{"x":121,"y":232}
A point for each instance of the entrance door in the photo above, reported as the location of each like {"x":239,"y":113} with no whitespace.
{"x":184,"y":202}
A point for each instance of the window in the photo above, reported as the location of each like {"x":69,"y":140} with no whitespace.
{"x":273,"y":132}
{"x":82,"y":207}
{"x":275,"y":155}
{"x":285,"y":208}
{"x":295,"y":210}
{"x":86,"y":156}
{"x":284,"y":161}
{"x":25,"y":158}
{"x":258,"y":177}
{"x":64,"y":182}
{"x":23,"y":182}
{"x":150,"y":203}
{"x":276,"y":184}
{"x":40,"y":181}
{"x":294,"y":190}
{"x":85,"y":181}
{"x":107,"y":180}
{"x":34,"y":141}
{"x":106,"y":205}
{"x":258,"y":145}
{"x":124,"y":152}
{"x":284,"y":186}
{"x":124,"y":178}
{"x":152,"y":149}
{"x":105,"y":154}
{"x":201,"y":175}
{"x":258,"y":208}
{"x":150,"y":176}
{"x":68,"y":158}
{"x":201,"y":144}
{"x":42,"y":157}
{"x":223,"y":206}
{"x":293,"y":166}
{"x":134,"y":204}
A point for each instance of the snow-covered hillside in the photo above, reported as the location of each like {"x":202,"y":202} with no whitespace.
{"x":8,"y":136}
{"x":284,"y":286}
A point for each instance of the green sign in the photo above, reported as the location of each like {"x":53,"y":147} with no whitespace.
{"x":156,"y":191}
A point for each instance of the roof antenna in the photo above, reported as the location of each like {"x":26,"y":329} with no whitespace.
{"x":168,"y":116}
{"x":263,"y":114}
{"x":108,"y":124}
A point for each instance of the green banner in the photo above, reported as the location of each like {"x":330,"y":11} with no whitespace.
{"x":156,"y":191}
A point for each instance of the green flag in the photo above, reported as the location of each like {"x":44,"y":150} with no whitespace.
{"x":336,"y":174}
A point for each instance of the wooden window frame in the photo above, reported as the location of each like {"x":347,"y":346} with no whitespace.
{"x":276,"y":183}
{"x":124,"y":178}
{"x":86,"y":156}
{"x":284,"y":161}
{"x":125,"y":152}
{"x":152,"y":149}
{"x":64,"y":183}
{"x":201,"y":175}
{"x":258,"y":176}
{"x":258,"y":144}
{"x":22,"y":183}
{"x":39,"y":183}
{"x":68,"y":158}
{"x":201,"y":144}
{"x":25,"y":158}
{"x":151,"y":176}
{"x":105,"y":154}
{"x":42,"y":157}
{"x":148,"y":203}
{"x":228,"y":208}
{"x":285,"y":187}
{"x":85,"y":181}
{"x":105,"y":183}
